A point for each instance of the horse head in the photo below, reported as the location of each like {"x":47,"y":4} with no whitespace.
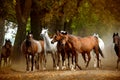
{"x":29,"y":37}
{"x":57,"y":37}
{"x":64,"y":37}
{"x":8,"y":43}
{"x":60,"y":36}
{"x":44,"y":32}
{"x":116,"y":38}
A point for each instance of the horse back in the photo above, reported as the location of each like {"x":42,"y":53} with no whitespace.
{"x":87,"y":43}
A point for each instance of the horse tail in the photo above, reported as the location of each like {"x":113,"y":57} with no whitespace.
{"x":100,"y":51}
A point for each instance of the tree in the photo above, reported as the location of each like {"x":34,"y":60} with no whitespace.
{"x":22,"y":8}
{"x":6,"y":13}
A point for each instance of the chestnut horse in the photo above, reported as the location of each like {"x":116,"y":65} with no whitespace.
{"x":61,"y":50}
{"x":6,"y":52}
{"x":116,"y":41}
{"x":82,"y":45}
{"x":31,"y":49}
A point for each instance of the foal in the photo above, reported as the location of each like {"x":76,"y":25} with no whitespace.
{"x":116,"y":41}
{"x":6,"y":52}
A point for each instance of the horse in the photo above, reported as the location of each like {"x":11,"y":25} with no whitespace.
{"x":83,"y":46}
{"x":116,"y":41}
{"x":31,"y":48}
{"x":49,"y":47}
{"x":6,"y":52}
{"x":65,"y":52}
{"x":101,"y":45}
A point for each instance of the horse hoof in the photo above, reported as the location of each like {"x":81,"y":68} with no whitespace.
{"x":57,"y":68}
{"x":73,"y":69}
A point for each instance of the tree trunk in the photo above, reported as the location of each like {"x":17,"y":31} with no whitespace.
{"x":18,"y":40}
{"x":36,"y":25}
{"x":22,"y":14}
{"x":2,"y":31}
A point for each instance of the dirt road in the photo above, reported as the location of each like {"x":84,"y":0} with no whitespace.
{"x":10,"y":74}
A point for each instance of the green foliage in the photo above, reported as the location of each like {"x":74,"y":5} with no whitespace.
{"x":28,"y":27}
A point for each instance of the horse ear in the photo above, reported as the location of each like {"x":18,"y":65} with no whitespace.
{"x":31,"y":32}
{"x":5,"y":39}
{"x":66,"y":32}
{"x":57,"y":32}
{"x":113,"y":34}
{"x":117,"y":33}
{"x":97,"y":35}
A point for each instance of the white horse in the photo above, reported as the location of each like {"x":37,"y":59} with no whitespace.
{"x":101,"y":45}
{"x":48,"y":46}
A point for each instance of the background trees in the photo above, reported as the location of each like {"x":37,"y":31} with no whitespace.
{"x":79,"y":17}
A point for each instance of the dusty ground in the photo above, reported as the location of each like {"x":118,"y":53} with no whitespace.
{"x":108,"y":72}
{"x":17,"y":72}
{"x":10,"y":74}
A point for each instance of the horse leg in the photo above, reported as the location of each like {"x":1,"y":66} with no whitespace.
{"x":118,"y":60}
{"x":89,"y":58}
{"x":83,"y":55}
{"x":97,"y":55}
{"x":53,"y":57}
{"x":58,"y":61}
{"x":76,"y":62}
{"x":32,"y":61}
{"x":63,"y":61}
{"x":27,"y":62}
{"x":5,"y":62}
{"x":37,"y":59}
{"x":45,"y":61}
{"x":68,"y":60}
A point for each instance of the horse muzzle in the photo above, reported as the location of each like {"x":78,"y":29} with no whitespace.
{"x":52,"y":42}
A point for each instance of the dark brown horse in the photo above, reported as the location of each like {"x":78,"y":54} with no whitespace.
{"x":82,"y":45}
{"x":116,"y":41}
{"x":31,"y":49}
{"x":6,"y":52}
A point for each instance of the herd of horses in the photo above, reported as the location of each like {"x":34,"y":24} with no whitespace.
{"x":62,"y":46}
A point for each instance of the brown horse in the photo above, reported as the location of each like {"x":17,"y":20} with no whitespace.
{"x":116,"y":41}
{"x":65,"y":51}
{"x":31,"y":49}
{"x":82,"y":45}
{"x":61,"y":51}
{"x":6,"y":52}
